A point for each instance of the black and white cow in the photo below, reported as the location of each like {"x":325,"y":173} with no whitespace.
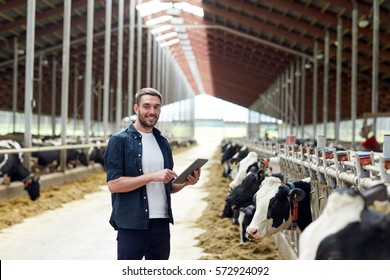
{"x":348,"y":228}
{"x":242,"y":199}
{"x":51,"y":159}
{"x":11,"y":165}
{"x":228,"y":151}
{"x":280,"y":206}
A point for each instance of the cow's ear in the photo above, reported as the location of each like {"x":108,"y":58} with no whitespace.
{"x":296,"y":195}
{"x":234,"y":160}
{"x":377,"y":192}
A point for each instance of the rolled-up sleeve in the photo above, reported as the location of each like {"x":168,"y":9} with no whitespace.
{"x":114,"y":158}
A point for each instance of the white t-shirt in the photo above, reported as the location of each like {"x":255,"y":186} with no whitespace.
{"x":152,"y":161}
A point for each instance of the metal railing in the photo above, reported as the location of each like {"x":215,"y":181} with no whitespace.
{"x":51,"y":148}
{"x":328,"y":169}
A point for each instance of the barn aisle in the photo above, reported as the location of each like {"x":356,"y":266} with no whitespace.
{"x":80,"y":229}
{"x":188,"y":206}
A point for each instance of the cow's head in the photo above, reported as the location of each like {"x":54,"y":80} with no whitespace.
{"x":273,"y":208}
{"x":96,"y":155}
{"x":229,"y":151}
{"x":279,"y":206}
{"x":83,"y":158}
{"x":243,"y":166}
{"x":242,"y":195}
{"x":32,"y":186}
{"x":12,"y":165}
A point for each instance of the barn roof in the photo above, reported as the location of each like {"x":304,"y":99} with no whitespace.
{"x":246,"y":51}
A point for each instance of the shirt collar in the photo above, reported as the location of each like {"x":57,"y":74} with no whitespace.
{"x":135,"y":132}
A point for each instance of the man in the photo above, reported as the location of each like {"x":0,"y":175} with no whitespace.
{"x":139,"y":167}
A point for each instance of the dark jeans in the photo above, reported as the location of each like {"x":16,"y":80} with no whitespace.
{"x":153,"y":243}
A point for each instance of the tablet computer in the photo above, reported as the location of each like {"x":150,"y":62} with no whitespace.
{"x":194,"y":166}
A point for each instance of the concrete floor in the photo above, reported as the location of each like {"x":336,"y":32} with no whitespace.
{"x":80,"y":229}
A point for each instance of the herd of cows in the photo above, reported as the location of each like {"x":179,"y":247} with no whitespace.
{"x":262,"y":204}
{"x":12,"y":167}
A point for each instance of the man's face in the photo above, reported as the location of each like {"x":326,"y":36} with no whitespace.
{"x":148,"y":110}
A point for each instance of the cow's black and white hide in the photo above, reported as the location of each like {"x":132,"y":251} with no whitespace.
{"x":348,"y":229}
{"x":243,"y":169}
{"x":11,"y":165}
{"x":228,"y":211}
{"x":242,"y":153}
{"x":51,"y":159}
{"x":277,"y":205}
{"x":242,"y":195}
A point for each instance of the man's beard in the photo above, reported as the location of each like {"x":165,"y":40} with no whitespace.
{"x":145,"y":124}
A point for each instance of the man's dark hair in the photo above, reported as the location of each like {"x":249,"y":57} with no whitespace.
{"x":147,"y":91}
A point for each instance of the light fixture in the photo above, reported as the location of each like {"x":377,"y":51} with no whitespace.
{"x":158,"y":20}
{"x":363,"y":22}
{"x":166,"y":36}
{"x":186,"y":7}
{"x":168,"y":43}
{"x":144,"y":7}
{"x":320,"y":56}
{"x":198,"y":11}
{"x":153,"y":7}
{"x":307,"y":66}
{"x":161,"y":29}
{"x":156,"y":6}
{"x":45,"y":62}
